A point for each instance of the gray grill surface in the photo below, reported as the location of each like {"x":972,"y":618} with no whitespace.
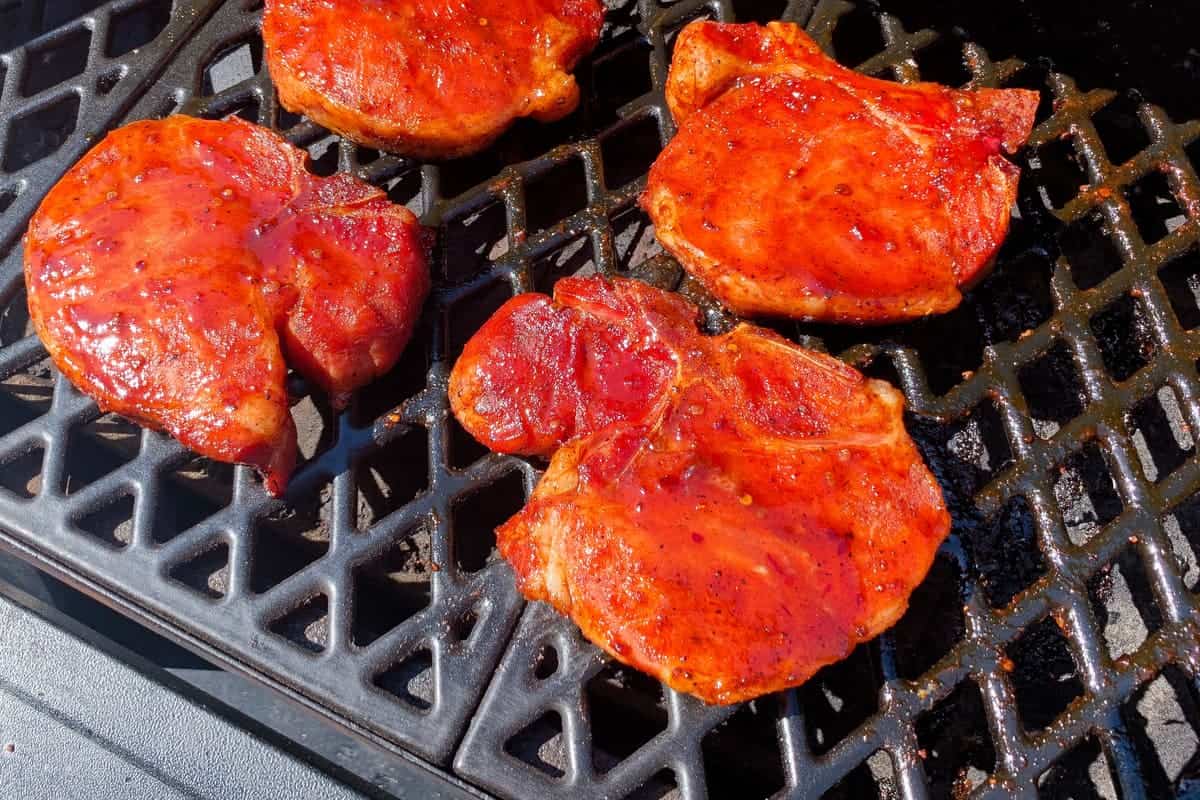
{"x":68,"y":730}
{"x":1054,"y":647}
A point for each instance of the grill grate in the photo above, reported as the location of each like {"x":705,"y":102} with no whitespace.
{"x":1053,"y":649}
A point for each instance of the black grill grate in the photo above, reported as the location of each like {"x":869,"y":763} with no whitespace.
{"x":1053,"y":649}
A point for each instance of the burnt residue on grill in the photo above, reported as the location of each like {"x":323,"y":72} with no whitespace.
{"x":1052,"y":649}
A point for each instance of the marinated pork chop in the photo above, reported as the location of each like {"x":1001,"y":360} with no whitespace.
{"x":428,"y":78}
{"x":798,"y":187}
{"x":174,"y":267}
{"x":727,"y":513}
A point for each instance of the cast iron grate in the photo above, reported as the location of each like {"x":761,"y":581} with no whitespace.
{"x":1053,"y":649}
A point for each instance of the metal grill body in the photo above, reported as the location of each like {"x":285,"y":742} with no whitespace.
{"x":1057,"y":407}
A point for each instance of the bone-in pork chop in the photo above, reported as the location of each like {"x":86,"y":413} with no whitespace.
{"x":800,"y":188}
{"x":173,"y":269}
{"x":726,"y":513}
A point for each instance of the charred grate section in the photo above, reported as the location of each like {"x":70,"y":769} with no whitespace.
{"x":1052,"y":649}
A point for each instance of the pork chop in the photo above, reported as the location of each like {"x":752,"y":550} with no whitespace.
{"x":172,"y":270}
{"x":428,"y":78}
{"x":797,"y":187}
{"x":726,"y":513}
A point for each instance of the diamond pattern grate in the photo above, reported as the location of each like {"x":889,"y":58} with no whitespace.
{"x":1054,"y":645}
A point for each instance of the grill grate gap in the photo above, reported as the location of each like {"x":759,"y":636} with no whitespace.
{"x":108,"y":81}
{"x":136,"y":27}
{"x":741,"y":755}
{"x":1181,"y":278}
{"x":22,"y":474}
{"x":53,"y":13}
{"x":471,"y":243}
{"x":1044,"y":676}
{"x":306,"y":626}
{"x":857,"y":36}
{"x":873,"y":778}
{"x":207,"y":573}
{"x":950,"y":346}
{"x":1091,"y":254}
{"x":1053,"y":390}
{"x":1123,"y":603}
{"x":629,"y":151}
{"x":235,"y":63}
{"x":1162,"y":438}
{"x":25,"y":396}
{"x":191,"y":494}
{"x":461,"y":174}
{"x":880,"y":367}
{"x":955,"y":746}
{"x":555,"y":194}
{"x":295,"y":537}
{"x":1082,"y":772}
{"x":541,"y":745}
{"x":367,"y":155}
{"x":38,"y":133}
{"x":1126,"y":340}
{"x":315,"y":428}
{"x":392,"y":587}
{"x":323,"y":156}
{"x":944,"y":61}
{"x":1086,"y":494}
{"x":469,"y":313}
{"x":618,"y":76}
{"x":965,"y":454}
{"x":14,"y":318}
{"x":934,"y":622}
{"x":1004,"y":552}
{"x":287,"y":120}
{"x":1192,"y":152}
{"x":1016,"y":297}
{"x":111,"y":524}
{"x":464,"y":449}
{"x":1120,"y":130}
{"x":576,"y":257}
{"x":633,"y":234}
{"x":1183,"y":529}
{"x":11,"y":23}
{"x":525,"y":140}
{"x":1163,"y":720}
{"x":476,"y":518}
{"x":8,"y":195}
{"x":546,"y":664}
{"x":97,"y":448}
{"x":410,"y":681}
{"x":391,"y":477}
{"x":464,"y":626}
{"x":1057,"y":170}
{"x":1154,"y":208}
{"x":62,"y":57}
{"x":405,"y":189}
{"x":626,"y":710}
{"x":378,"y":400}
{"x":660,"y":786}
{"x":841,"y":697}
